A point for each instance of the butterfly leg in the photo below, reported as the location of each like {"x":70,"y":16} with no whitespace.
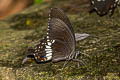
{"x":66,"y":62}
{"x":72,"y":58}
{"x":76,"y":54}
{"x":80,"y":61}
{"x":75,"y":57}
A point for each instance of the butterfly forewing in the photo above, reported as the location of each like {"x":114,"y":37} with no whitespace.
{"x":59,"y":14}
{"x":64,"y":45}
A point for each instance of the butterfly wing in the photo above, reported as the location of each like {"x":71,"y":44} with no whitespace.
{"x":59,"y":14}
{"x":100,"y":6}
{"x":42,"y":51}
{"x":59,"y":43}
{"x":62,"y":33}
{"x":103,"y":6}
{"x":64,"y":44}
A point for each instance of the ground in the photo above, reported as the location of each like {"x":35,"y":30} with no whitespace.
{"x":101,"y":50}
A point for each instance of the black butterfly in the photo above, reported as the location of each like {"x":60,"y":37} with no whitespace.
{"x":102,"y":7}
{"x":59,"y":43}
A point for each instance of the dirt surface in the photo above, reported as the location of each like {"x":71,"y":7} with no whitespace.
{"x":100,"y":51}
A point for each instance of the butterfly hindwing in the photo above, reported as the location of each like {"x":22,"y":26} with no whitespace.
{"x":43,"y":51}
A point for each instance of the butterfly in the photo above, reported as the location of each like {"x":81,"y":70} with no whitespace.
{"x":59,"y":42}
{"x":102,"y":7}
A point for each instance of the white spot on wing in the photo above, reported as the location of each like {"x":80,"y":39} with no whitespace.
{"x":98,"y":0}
{"x":116,"y":0}
{"x":53,"y":41}
{"x":48,"y":49}
{"x":35,"y":50}
{"x":48,"y":40}
{"x":47,"y":36}
{"x":35,"y":56}
{"x":49,"y":43}
{"x":49,"y":18}
{"x":49,"y":57}
{"x":96,"y":8}
{"x":50,"y":54}
{"x":92,"y":2}
{"x":48,"y":46}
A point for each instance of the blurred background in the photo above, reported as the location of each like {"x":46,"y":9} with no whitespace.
{"x":10,"y":7}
